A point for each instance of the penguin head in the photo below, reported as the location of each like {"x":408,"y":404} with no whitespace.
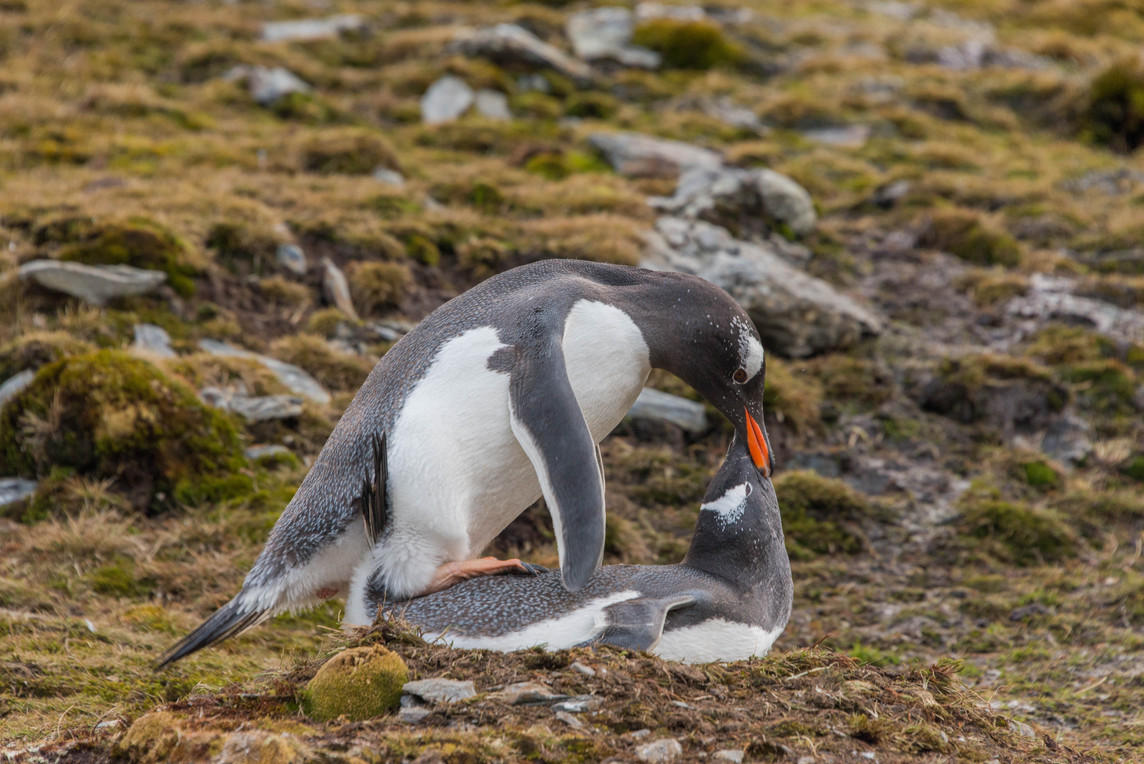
{"x":712,"y":344}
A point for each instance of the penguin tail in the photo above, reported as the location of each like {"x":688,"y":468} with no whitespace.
{"x":229,"y":620}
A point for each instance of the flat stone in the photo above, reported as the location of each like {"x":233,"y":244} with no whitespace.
{"x":14,"y":489}
{"x":581,"y":668}
{"x":843,"y":136}
{"x":413,"y":714}
{"x":605,"y":34}
{"x":747,"y":201}
{"x":14,"y":384}
{"x":664,"y":407}
{"x":292,"y":258}
{"x":578,"y":704}
{"x":268,"y":84}
{"x":493,"y":104}
{"x":152,"y":340}
{"x":445,"y":100}
{"x":728,"y":754}
{"x":1051,"y":298}
{"x":649,"y":11}
{"x":389,"y":177}
{"x":513,"y":44}
{"x":95,"y":284}
{"x":254,"y":453}
{"x":733,"y":114}
{"x":570,"y":720}
{"x":311,"y":29}
{"x":295,"y":379}
{"x":527,"y":694}
{"x":638,"y":155}
{"x":255,"y":408}
{"x":440,"y":690}
{"x":1068,"y":439}
{"x":797,"y":315}
{"x":336,"y":288}
{"x":664,"y":749}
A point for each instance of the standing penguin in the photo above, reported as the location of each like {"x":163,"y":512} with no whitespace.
{"x":728,"y":600}
{"x":499,"y":396}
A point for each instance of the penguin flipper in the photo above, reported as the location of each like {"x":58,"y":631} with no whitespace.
{"x":637,"y":624}
{"x":230,"y":619}
{"x":550,"y":426}
{"x":374,"y":501}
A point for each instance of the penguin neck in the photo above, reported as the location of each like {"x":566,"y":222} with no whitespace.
{"x":648,"y":304}
{"x":740,"y":539}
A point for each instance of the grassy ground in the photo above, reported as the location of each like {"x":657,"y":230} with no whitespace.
{"x":940,"y":558}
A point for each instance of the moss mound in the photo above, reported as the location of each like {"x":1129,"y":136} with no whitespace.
{"x":36,"y":349}
{"x":688,"y":44}
{"x":1016,"y":533}
{"x":821,"y":515}
{"x":1114,"y":112}
{"x":110,"y":415}
{"x":1003,"y":390}
{"x":360,"y":683}
{"x":377,"y":287}
{"x":136,"y":241}
{"x":969,"y":236}
{"x":348,"y":152}
{"x":791,"y":398}
{"x":1105,"y":387}
{"x":151,"y":738}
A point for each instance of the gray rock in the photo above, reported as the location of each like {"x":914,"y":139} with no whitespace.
{"x":648,"y":11}
{"x":581,"y":668}
{"x":440,"y":690}
{"x":638,"y":155}
{"x":336,"y":288}
{"x":578,"y":704}
{"x":311,"y":29}
{"x":1051,"y":298}
{"x":297,"y":380}
{"x":268,"y":84}
{"x":445,"y":100}
{"x":1068,"y":439}
{"x":728,"y":754}
{"x":733,"y":114}
{"x":261,"y":408}
{"x":1114,"y":182}
{"x":843,"y":136}
{"x":605,"y":33}
{"x":253,"y":453}
{"x":95,"y":284}
{"x":389,"y":177}
{"x":748,"y":201}
{"x":413,"y":714}
{"x":14,"y":489}
{"x":570,"y":720}
{"x":513,"y":44}
{"x":14,"y":384}
{"x":493,"y":104}
{"x":527,"y":694}
{"x":889,"y":194}
{"x":664,"y":407}
{"x":796,"y":314}
{"x":152,"y":340}
{"x":292,"y":258}
{"x":664,"y":749}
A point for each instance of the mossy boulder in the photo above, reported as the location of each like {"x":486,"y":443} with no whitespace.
{"x":151,"y":738}
{"x":821,"y":515}
{"x":110,"y":415}
{"x":136,"y":241}
{"x":359,"y":683}
{"x":688,"y":44}
{"x":35,"y":349}
{"x":971,"y":237}
{"x":1010,"y":393}
{"x":1114,"y":110}
{"x":1016,"y":533}
{"x":348,"y":152}
{"x":378,"y":286}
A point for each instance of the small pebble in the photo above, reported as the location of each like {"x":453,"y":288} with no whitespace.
{"x":580,"y":668}
{"x":570,"y":720}
{"x":665,"y":749}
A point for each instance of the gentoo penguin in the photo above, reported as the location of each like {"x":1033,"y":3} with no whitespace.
{"x":728,"y":600}
{"x":499,"y":396}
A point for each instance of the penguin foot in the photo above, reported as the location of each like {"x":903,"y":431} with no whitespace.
{"x":529,"y":568}
{"x":455,"y":572}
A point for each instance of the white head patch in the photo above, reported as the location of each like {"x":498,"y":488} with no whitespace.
{"x":750,"y":349}
{"x":731,"y":504}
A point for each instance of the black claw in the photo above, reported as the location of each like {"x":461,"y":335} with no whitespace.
{"x":529,"y":567}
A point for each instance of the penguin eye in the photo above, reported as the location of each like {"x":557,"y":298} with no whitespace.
{"x":740,"y":375}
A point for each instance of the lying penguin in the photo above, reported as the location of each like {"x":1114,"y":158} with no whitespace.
{"x":498,"y":397}
{"x":728,"y":600}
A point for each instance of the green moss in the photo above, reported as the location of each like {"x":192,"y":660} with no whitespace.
{"x":854,"y":380}
{"x":1040,"y":475}
{"x":118,"y":579}
{"x":1114,"y":112}
{"x":151,"y":738}
{"x":872,"y":656}
{"x":305,"y":107}
{"x":821,"y":515}
{"x":1133,"y":467}
{"x":792,"y":396}
{"x":111,"y":415}
{"x":990,"y":287}
{"x":360,"y":683}
{"x":1016,"y":533}
{"x":377,"y":287}
{"x":422,"y":250}
{"x":1058,"y":345}
{"x":1106,"y":387}
{"x":35,"y":349}
{"x":325,"y":322}
{"x":688,"y":44}
{"x":979,"y":387}
{"x":348,"y":152}
{"x":334,"y":369}
{"x":243,"y":247}
{"x":138,"y":242}
{"x":968,"y":235}
{"x":591,"y":105}
{"x":559,"y":165}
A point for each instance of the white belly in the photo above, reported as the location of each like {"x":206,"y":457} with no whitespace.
{"x":715,"y":640}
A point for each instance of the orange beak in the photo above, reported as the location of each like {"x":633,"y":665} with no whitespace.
{"x":757,"y":445}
